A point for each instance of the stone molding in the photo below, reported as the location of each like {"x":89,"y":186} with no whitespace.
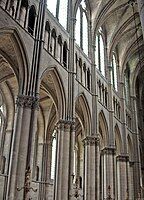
{"x":27,"y":102}
{"x":91,"y":140}
{"x":109,"y":150}
{"x":66,"y":125}
{"x":122,"y":158}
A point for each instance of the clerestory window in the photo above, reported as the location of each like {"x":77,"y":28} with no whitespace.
{"x":114,"y":72}
{"x":59,"y":9}
{"x":99,"y":53}
{"x":81,"y":30}
{"x":127,"y":85}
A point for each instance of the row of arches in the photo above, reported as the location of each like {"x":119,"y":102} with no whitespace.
{"x":83,"y":73}
{"x":23,"y":12}
{"x":52,"y":106}
{"x":102,"y":93}
{"x":55,"y":45}
{"x":82,"y":129}
{"x":26,"y":14}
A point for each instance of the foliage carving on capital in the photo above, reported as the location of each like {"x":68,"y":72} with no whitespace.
{"x":65,"y":124}
{"x":27,"y":102}
{"x":91,"y":140}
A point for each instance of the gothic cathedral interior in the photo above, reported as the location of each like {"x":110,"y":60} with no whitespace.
{"x":71,"y":99}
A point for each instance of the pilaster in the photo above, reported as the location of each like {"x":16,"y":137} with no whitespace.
{"x":136,"y":150}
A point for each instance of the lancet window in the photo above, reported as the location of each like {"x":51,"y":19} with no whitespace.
{"x":81,"y":30}
{"x":99,"y":53}
{"x":59,"y":9}
{"x":114,"y":72}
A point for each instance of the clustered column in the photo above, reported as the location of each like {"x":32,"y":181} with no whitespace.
{"x":136,"y":150}
{"x":108,"y":168}
{"x":122,"y":177}
{"x":65,"y":140}
{"x":91,"y":168}
{"x":18,"y":165}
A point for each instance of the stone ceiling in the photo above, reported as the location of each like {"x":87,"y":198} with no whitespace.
{"x":119,"y":21}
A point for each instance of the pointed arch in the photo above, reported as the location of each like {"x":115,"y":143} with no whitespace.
{"x":118,"y":140}
{"x":59,"y":95}
{"x":47,"y":35}
{"x":65,"y":54}
{"x":23,"y":11}
{"x":103,"y":129}
{"x":53,"y":42}
{"x":130,"y":147}
{"x":114,"y":74}
{"x":134,"y":76}
{"x":83,"y":113}
{"x":77,"y":5}
{"x":100,"y":52}
{"x":81,"y":28}
{"x":19,"y":61}
{"x":31,"y":19}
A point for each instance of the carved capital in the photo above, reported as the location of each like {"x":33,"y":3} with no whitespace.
{"x":123,"y":158}
{"x":91,"y":140}
{"x":109,"y":150}
{"x":27,"y":102}
{"x":65,"y":124}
